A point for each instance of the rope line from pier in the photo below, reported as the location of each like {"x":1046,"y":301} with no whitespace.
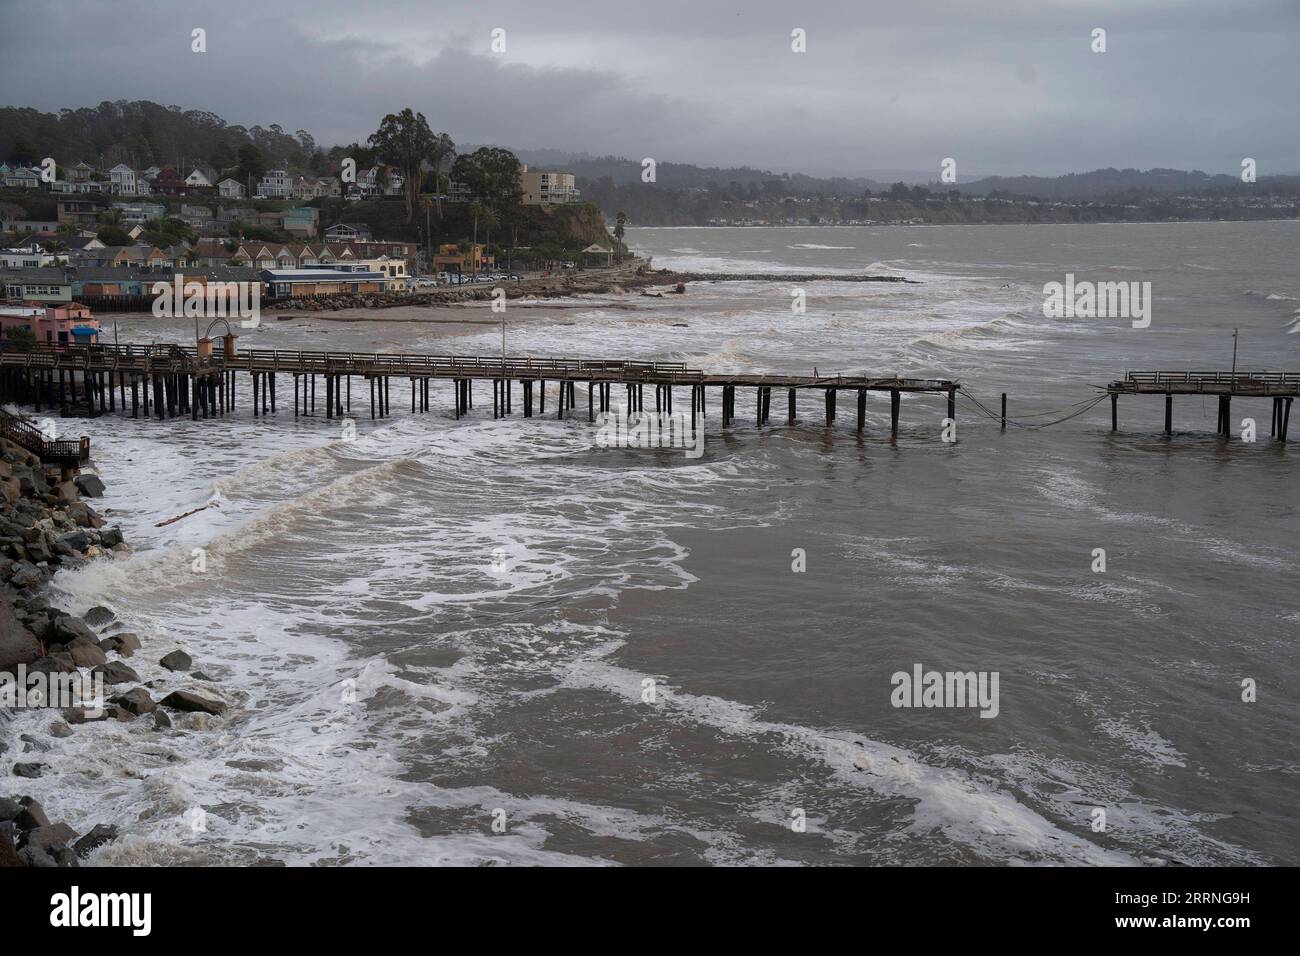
{"x":1075,"y":410}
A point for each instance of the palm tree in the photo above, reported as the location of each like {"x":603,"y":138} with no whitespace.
{"x":620,"y":220}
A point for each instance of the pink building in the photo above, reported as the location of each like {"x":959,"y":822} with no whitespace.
{"x":71,"y":324}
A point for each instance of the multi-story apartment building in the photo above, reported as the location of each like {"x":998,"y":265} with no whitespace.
{"x":541,"y":188}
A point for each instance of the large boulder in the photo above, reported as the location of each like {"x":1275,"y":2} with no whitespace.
{"x":125,"y":644}
{"x":9,"y":809}
{"x":17,"y":644}
{"x":137,"y":701}
{"x":30,"y":815}
{"x":191,"y":702}
{"x":115,"y":672}
{"x":48,"y":837}
{"x":58,"y":662}
{"x":67,"y":628}
{"x":99,"y":834}
{"x":177,"y":661}
{"x":89,"y":485}
{"x":76,"y":540}
{"x":25,"y":574}
{"x":88,"y":715}
{"x":86,"y":654}
{"x":98,"y":616}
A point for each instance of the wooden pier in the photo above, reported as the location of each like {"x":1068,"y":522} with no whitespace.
{"x":168,"y":381}
{"x":1281,"y":387}
{"x":67,"y":453}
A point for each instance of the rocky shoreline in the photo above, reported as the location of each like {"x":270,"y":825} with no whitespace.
{"x":638,"y":276}
{"x":45,"y":525}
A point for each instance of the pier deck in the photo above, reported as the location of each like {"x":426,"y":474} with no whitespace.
{"x":1281,"y":387}
{"x":184,"y":380}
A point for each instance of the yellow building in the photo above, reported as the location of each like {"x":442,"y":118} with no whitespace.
{"x":392,"y":267}
{"x":451,"y":258}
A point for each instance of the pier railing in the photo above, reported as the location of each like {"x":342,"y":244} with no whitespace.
{"x":1192,"y":381}
{"x":185,"y":359}
{"x":1214,"y":378}
{"x":24,"y":434}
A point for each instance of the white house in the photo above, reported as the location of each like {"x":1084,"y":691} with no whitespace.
{"x":275,"y":184}
{"x":29,"y":257}
{"x":230,"y":189}
{"x":196,"y":178}
{"x":122,"y":179}
{"x":22,"y":178}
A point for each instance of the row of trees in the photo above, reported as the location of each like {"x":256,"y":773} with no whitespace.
{"x":428,"y":163}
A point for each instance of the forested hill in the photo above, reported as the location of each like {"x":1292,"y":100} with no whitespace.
{"x":141,"y":134}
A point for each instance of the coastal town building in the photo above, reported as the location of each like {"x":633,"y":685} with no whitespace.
{"x":300,"y":221}
{"x":291,"y":283}
{"x":452,"y":258}
{"x":377,"y":181}
{"x":29,"y":225}
{"x":122,"y":180}
{"x":48,"y":285}
{"x":316,"y":187}
{"x":78,"y":212}
{"x":62,"y":324}
{"x":140,"y":212}
{"x":27,"y":257}
{"x":545,"y":188}
{"x":230,"y":189}
{"x":275,"y":184}
{"x":347,"y":232}
{"x":21,"y":177}
{"x":168,"y":182}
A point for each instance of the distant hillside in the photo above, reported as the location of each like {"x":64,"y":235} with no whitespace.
{"x":1106,"y":183}
{"x":141,"y":133}
{"x":623,"y":172}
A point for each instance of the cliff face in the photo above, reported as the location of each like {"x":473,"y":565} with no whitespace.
{"x":569,"y":227}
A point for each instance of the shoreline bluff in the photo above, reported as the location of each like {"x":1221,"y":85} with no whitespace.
{"x":632,"y":278}
{"x":44,"y":526}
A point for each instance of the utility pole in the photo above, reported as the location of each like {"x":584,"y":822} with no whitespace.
{"x":1234,"y":355}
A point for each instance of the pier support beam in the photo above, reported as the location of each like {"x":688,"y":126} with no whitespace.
{"x":895,"y":398}
{"x":1169,"y":413}
{"x":1114,"y":411}
{"x":862,"y":409}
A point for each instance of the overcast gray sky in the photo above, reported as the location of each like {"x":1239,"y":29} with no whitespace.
{"x":1002,"y":86}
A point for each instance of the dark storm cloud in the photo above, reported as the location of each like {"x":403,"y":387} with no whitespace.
{"x":1000,"y":85}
